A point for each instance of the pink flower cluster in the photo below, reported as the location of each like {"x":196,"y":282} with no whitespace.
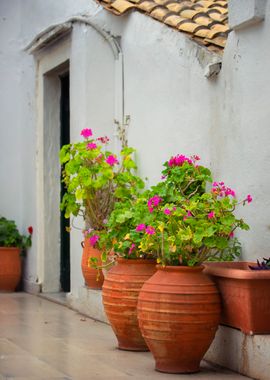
{"x":220,"y":189}
{"x":86,"y":133}
{"x":104,"y":139}
{"x":188,"y":215}
{"x":91,"y":146}
{"x":153,"y":202}
{"x":112,"y":160}
{"x":148,"y":229}
{"x":131,"y":249}
{"x":249,"y":198}
{"x":179,"y":160}
{"x":211,"y":215}
{"x":93,"y":240}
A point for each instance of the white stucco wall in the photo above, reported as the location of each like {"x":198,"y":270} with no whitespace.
{"x":173,"y":107}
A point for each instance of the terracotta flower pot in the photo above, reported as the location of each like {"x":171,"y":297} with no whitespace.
{"x":10,"y":268}
{"x":245,"y":295}
{"x":92,"y":277}
{"x":178,"y":312}
{"x":120,"y":296}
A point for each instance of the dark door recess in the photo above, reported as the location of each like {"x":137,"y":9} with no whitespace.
{"x":64,"y":139}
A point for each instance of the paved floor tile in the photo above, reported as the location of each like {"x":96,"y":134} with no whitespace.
{"x":42,"y":340}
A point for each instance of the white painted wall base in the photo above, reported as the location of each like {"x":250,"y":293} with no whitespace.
{"x":88,"y":302}
{"x":246,"y":354}
{"x":31,"y":287}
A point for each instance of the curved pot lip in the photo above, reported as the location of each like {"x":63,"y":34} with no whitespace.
{"x":10,"y":248}
{"x":135,"y":261}
{"x":180,"y":268}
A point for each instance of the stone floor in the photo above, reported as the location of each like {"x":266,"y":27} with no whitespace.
{"x":42,"y":340}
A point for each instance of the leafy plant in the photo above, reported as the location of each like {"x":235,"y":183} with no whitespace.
{"x":195,"y":228}
{"x":11,"y":237}
{"x":263,"y":265}
{"x":95,"y":179}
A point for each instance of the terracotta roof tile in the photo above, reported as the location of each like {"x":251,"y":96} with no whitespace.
{"x":205,"y":21}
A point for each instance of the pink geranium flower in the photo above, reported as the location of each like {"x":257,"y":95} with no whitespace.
{"x":179,"y":160}
{"x":112,"y":160}
{"x":249,"y":198}
{"x":140,"y":227}
{"x":103,"y":140}
{"x":131,"y":249}
{"x":153,"y":202}
{"x":91,"y":146}
{"x":211,"y":215}
{"x":93,"y":240}
{"x":167,"y":211}
{"x":150,"y":230}
{"x":86,"y":133}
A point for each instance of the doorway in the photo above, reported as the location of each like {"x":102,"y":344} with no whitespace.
{"x":64,"y":222}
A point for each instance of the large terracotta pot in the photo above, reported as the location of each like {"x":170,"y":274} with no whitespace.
{"x":120,"y":296}
{"x":178,"y":312}
{"x":245,"y":295}
{"x":10,"y":268}
{"x":93,"y":278}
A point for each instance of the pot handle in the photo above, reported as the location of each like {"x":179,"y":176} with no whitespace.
{"x":82,"y":244}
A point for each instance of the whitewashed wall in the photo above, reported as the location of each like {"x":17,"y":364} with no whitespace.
{"x":173,"y":107}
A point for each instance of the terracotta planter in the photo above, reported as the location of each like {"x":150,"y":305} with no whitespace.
{"x":178,"y":312}
{"x":120,"y":296}
{"x":10,"y":268}
{"x":92,"y":277}
{"x":245,"y":295}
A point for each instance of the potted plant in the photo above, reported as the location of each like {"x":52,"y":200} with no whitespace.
{"x":123,"y":240}
{"x":245,"y":291}
{"x":95,"y":179}
{"x":12,"y":245}
{"x":124,"y":280}
{"x":179,"y":306}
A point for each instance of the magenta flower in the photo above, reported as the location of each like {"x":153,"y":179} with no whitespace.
{"x":93,"y":240}
{"x":103,"y":140}
{"x":86,"y":133}
{"x":153,"y":202}
{"x":231,"y":234}
{"x":112,"y":160}
{"x":91,"y":146}
{"x":197,"y":158}
{"x":220,"y":189}
{"x":133,"y":246}
{"x":140,"y":227}
{"x":211,"y":215}
{"x":150,"y":230}
{"x":167,"y":211}
{"x":179,"y":160}
{"x":189,"y":213}
{"x":249,"y":198}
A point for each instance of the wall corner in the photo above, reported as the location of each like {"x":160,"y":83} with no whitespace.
{"x":244,"y":13}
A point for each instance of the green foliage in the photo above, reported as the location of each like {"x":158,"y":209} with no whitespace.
{"x":95,"y":179}
{"x":193,"y":230}
{"x":11,"y":237}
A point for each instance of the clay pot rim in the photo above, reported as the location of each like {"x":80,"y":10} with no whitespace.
{"x":180,"y":268}
{"x":122,"y":260}
{"x":10,"y":248}
{"x":239,"y":272}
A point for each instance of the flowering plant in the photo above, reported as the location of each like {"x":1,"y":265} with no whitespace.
{"x":11,"y":237}
{"x":182,"y":176}
{"x":95,"y":179}
{"x":195,"y":228}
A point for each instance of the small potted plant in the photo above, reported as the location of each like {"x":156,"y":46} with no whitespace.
{"x":179,"y":306}
{"x":95,"y":179}
{"x":12,"y":245}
